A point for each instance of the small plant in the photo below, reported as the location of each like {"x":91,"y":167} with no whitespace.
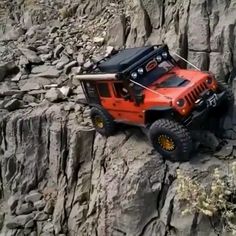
{"x":217,"y":199}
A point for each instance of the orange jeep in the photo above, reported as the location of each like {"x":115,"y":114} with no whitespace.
{"x":146,"y":87}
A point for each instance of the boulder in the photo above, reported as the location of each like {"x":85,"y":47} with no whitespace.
{"x":54,"y":95}
{"x":31,"y":55}
{"x":33,"y":196}
{"x":19,"y":221}
{"x":12,"y":105}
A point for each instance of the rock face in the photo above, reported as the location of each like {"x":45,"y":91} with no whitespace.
{"x":66,"y":179}
{"x":57,"y":176}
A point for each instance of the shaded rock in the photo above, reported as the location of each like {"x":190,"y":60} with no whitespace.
{"x":85,"y":37}
{"x":49,"y":208}
{"x":62,"y":62}
{"x":13,"y":105}
{"x":87,"y":65}
{"x":23,"y":61}
{"x":40,"y":216}
{"x":48,"y":228}
{"x":19,"y":221}
{"x":58,"y":50}
{"x":29,"y":224}
{"x":13,"y":34}
{"x":45,"y":57}
{"x":54,"y":95}
{"x":225,"y":151}
{"x":24,"y":209}
{"x":66,"y":90}
{"x":31,"y":55}
{"x":13,"y":202}
{"x":33,"y":196}
{"x":2,"y":218}
{"x":76,"y":70}
{"x":98,"y":40}
{"x":44,"y":49}
{"x":29,"y":85}
{"x":51,"y":72}
{"x":17,"y":77}
{"x":117,"y":32}
{"x":40,"y":69}
{"x":27,"y":98}
{"x":69,"y":66}
{"x":80,"y":59}
{"x":7,"y":69}
{"x":39,"y":205}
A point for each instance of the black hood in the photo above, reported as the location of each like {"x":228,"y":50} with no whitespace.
{"x":174,"y":81}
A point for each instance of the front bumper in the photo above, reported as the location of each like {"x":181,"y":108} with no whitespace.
{"x":204,"y":107}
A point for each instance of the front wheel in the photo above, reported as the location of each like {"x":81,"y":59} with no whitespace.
{"x":171,"y":139}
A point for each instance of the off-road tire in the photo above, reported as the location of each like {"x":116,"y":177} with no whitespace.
{"x":180,"y":135}
{"x":222,"y":86}
{"x":108,"y":123}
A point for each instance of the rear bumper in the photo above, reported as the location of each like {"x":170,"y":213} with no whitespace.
{"x":201,"y":112}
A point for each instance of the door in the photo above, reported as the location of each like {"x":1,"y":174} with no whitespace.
{"x":123,"y":107}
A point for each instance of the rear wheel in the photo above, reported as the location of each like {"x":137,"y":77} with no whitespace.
{"x":171,"y":139}
{"x":102,"y":121}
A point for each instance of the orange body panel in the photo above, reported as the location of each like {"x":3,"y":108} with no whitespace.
{"x":127,"y":111}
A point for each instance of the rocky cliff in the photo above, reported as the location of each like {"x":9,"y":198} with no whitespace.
{"x":57,"y":176}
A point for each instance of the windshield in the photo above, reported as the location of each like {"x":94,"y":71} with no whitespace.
{"x":157,"y":72}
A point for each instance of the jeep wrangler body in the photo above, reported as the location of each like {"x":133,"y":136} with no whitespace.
{"x":146,"y":87}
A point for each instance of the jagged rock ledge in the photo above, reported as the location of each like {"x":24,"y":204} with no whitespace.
{"x":60,"y":178}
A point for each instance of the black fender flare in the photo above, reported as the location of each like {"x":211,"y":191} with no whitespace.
{"x":157,"y":112}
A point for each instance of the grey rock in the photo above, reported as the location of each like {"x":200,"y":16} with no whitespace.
{"x":98,"y":40}
{"x":13,"y":202}
{"x":80,"y":59}
{"x":40,"y":69}
{"x":2,"y":72}
{"x":6,"y":68}
{"x":12,"y":105}
{"x":51,"y":72}
{"x":48,"y":228}
{"x":117,"y":32}
{"x":66,"y":90}
{"x":44,"y":49}
{"x":62,"y":62}
{"x":19,"y":221}
{"x":33,"y":196}
{"x":85,"y":37}
{"x":69,"y":66}
{"x":24,"y":209}
{"x":17,"y":77}
{"x":54,"y":95}
{"x":23,"y":61}
{"x":31,"y":55}
{"x":58,"y":50}
{"x":39,"y":205}
{"x":13,"y":34}
{"x":45,"y":57}
{"x":33,"y":233}
{"x":29,"y":85}
{"x":69,"y":50}
{"x":109,"y":50}
{"x":87,"y":65}
{"x":27,"y":98}
{"x":226,"y":151}
{"x":41,"y":216}
{"x":2,"y":218}
{"x":49,"y":208}
{"x":76,"y":70}
{"x":29,"y":224}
